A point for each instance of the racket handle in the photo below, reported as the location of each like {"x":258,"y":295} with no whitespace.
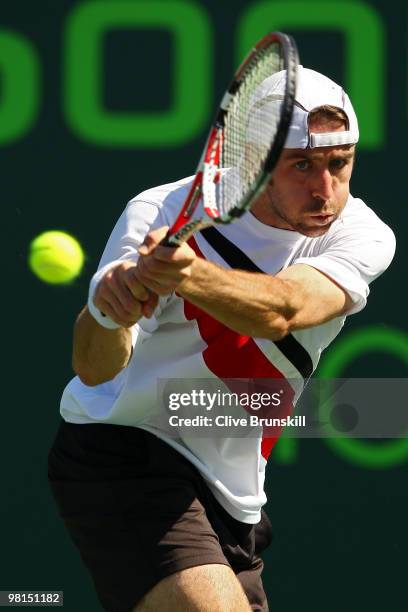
{"x":166,"y":241}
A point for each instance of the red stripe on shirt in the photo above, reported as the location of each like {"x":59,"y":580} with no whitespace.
{"x":231,"y":355}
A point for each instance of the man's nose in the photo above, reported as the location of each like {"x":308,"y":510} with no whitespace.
{"x":322,"y":184}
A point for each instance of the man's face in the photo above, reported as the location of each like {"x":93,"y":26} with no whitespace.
{"x":309,"y":187}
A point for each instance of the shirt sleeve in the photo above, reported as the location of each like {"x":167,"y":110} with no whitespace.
{"x":138,"y":218}
{"x":357,"y":253}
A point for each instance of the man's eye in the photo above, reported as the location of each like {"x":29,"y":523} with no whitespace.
{"x":338,"y":164}
{"x":303,"y":164}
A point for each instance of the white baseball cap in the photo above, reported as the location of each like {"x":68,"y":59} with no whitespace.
{"x":313,"y":90}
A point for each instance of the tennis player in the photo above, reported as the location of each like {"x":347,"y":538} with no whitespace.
{"x":163,"y":519}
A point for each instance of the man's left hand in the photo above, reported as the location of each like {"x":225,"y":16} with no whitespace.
{"x":162,"y":269}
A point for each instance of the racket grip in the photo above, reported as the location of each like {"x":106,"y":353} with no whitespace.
{"x":166,"y":241}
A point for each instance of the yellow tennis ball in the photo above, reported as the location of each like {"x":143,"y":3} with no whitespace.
{"x":56,"y":257}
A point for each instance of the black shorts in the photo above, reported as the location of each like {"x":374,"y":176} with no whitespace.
{"x":138,"y":511}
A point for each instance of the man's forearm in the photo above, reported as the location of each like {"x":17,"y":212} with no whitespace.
{"x":99,"y":354}
{"x":252,"y":304}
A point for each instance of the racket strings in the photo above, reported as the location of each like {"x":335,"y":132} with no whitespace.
{"x":249,"y":130}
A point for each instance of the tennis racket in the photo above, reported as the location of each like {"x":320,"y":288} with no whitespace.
{"x":244,"y":142}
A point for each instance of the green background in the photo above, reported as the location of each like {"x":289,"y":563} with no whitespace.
{"x":91,"y":115}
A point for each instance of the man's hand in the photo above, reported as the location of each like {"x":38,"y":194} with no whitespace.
{"x":122,"y":297}
{"x":162,"y":269}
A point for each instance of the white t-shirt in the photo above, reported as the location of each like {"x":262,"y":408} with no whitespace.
{"x":182,"y":342}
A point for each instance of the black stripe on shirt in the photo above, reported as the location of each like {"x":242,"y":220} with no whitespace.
{"x":236,"y":259}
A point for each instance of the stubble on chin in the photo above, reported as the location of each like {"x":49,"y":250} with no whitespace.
{"x":314,"y":232}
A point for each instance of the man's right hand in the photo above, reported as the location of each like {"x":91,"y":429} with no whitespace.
{"x":120,"y":296}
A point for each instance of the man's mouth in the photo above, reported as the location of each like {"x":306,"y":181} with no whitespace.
{"x":323,"y":219}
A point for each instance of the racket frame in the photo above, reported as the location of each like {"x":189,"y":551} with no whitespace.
{"x":207,"y":171}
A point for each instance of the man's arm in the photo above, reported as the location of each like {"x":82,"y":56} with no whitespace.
{"x":252,"y":304}
{"x":99,"y":354}
{"x":261,"y":305}
{"x":257,"y":305}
